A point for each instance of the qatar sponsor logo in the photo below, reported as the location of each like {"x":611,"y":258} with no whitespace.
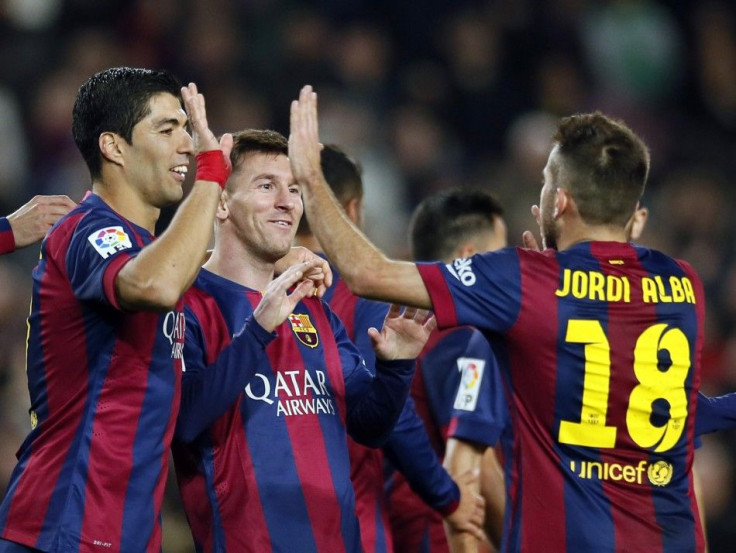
{"x":109,"y":240}
{"x":174,"y":328}
{"x":471,"y":374}
{"x":658,"y":473}
{"x":293,"y":392}
{"x":462,"y":269}
{"x":304,"y":329}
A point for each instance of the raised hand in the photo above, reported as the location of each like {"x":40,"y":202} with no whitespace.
{"x":204,"y":139}
{"x":304,"y":145}
{"x":32,"y":221}
{"x":320,"y":273}
{"x":527,"y":237}
{"x":403,"y":334}
{"x":277,"y":303}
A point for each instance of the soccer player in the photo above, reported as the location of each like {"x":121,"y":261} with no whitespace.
{"x":272,"y":473}
{"x":601,"y":343}
{"x":451,"y":224}
{"x":408,"y":447}
{"x":106,"y":328}
{"x":30,"y":222}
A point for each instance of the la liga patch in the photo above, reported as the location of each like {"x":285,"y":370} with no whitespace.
{"x":471,"y":375}
{"x":109,"y":241}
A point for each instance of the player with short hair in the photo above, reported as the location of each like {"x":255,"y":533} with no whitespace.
{"x":601,"y":343}
{"x":455,"y":363}
{"x":272,"y":473}
{"x":106,"y":328}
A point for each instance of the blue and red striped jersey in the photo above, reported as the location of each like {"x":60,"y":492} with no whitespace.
{"x":601,"y":350}
{"x":272,"y":473}
{"x":450,"y":355}
{"x":7,"y":240}
{"x":104,"y":389}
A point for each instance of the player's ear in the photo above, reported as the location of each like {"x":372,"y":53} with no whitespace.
{"x":223,"y":209}
{"x":563,"y":201}
{"x":353,"y":209}
{"x":112,"y":146}
{"x":466,"y":249}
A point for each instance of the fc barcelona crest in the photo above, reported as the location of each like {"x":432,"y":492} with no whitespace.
{"x":304,"y":330}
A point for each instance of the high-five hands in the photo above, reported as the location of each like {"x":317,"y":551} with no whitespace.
{"x":304,"y":145}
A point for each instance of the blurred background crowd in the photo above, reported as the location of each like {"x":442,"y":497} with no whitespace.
{"x":425,"y":94}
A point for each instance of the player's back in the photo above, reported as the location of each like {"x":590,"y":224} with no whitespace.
{"x":603,"y":361}
{"x":601,"y":349}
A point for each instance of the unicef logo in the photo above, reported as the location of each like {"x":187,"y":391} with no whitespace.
{"x":660,"y":473}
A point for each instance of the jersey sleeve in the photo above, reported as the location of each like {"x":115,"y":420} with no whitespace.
{"x":482,"y":291}
{"x":480,"y":411}
{"x":99,"y":248}
{"x":7,"y":239}
{"x":210,"y":389}
{"x":368,"y":314}
{"x":373,"y":400}
{"x":410,"y":452}
{"x":715,"y":413}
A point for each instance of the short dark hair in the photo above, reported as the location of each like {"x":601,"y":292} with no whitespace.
{"x":603,"y":164}
{"x":115,"y":100}
{"x":260,"y":141}
{"x":446,"y":219}
{"x":343,"y":174}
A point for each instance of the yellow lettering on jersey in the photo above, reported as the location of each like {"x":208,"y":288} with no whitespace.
{"x":675,"y":290}
{"x":594,"y":285}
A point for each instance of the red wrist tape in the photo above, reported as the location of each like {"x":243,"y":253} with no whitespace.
{"x":213,"y":166}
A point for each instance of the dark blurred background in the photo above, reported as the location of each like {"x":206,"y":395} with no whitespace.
{"x":426,"y":95}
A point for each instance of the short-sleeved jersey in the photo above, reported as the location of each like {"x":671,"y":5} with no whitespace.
{"x":104,"y":388}
{"x":272,"y":473}
{"x":366,"y":463}
{"x":450,"y":357}
{"x":7,"y":240}
{"x":601,"y":349}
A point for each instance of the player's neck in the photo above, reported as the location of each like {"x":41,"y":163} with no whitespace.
{"x":238,"y":265}
{"x":591,"y":233}
{"x":128,"y":204}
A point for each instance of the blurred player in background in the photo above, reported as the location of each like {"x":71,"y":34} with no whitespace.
{"x":452,"y":368}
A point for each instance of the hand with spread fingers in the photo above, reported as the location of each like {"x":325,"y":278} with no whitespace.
{"x":404,"y":333}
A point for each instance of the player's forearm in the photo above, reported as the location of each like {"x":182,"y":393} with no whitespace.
{"x":372,"y":413}
{"x":461,"y":542}
{"x":208,"y":393}
{"x":164,"y":269}
{"x":715,"y":413}
{"x":365,"y":269}
{"x":493,"y":490}
{"x":345,"y":245}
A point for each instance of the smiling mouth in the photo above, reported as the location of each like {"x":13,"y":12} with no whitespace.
{"x":180,"y":171}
